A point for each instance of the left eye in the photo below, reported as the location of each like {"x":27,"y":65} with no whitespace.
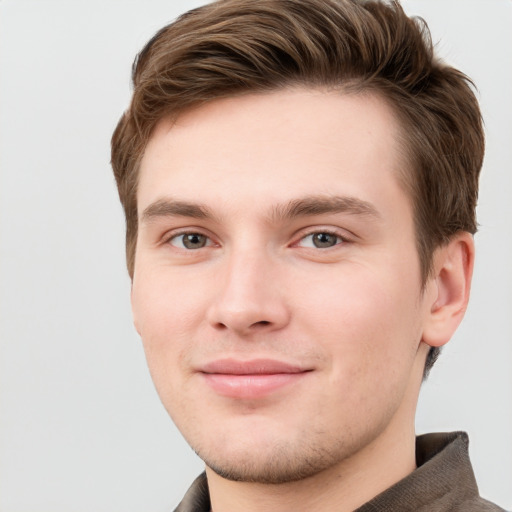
{"x":190,"y":241}
{"x":321,"y":240}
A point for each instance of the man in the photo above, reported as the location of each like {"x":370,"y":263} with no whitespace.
{"x":299,"y":180}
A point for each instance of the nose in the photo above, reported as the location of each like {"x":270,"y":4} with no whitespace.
{"x":250,"y":298}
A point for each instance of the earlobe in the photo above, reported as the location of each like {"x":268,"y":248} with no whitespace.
{"x":450,"y":283}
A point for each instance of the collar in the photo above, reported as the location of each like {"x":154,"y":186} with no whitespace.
{"x":443,"y":479}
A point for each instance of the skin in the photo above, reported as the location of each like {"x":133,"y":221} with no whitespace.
{"x":254,"y":181}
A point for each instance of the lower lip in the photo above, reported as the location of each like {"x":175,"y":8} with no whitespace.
{"x":250,"y":386}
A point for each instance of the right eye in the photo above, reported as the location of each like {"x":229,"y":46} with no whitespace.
{"x":190,"y":241}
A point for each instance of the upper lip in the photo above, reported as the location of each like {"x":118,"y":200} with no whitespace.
{"x":250,"y":367}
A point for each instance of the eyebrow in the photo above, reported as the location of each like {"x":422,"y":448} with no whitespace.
{"x":308,"y":206}
{"x":173,"y":208}
{"x":319,"y":205}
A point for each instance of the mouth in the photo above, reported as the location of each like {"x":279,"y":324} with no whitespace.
{"x":252,"y":379}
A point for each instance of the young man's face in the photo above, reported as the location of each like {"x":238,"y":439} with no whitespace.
{"x":277,"y":284}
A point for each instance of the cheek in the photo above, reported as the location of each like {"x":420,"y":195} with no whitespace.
{"x":367,"y":324}
{"x":166,"y":311}
{"x":164,"y":302}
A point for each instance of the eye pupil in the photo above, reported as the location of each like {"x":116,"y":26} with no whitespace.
{"x":321,"y":240}
{"x":194,"y":240}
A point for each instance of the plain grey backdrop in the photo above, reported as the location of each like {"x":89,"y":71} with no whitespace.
{"x":81,"y":427}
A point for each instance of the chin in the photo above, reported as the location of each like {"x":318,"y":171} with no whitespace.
{"x":276,"y":468}
{"x":275,"y":462}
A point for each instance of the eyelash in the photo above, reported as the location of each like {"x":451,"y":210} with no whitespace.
{"x":174,"y":236}
{"x":340,"y":239}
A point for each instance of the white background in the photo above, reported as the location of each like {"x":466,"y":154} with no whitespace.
{"x":81,"y":428}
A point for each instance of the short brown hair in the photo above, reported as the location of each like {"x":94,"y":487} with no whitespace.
{"x":232,"y":47}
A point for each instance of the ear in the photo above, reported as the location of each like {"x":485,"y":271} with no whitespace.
{"x":448,"y":289}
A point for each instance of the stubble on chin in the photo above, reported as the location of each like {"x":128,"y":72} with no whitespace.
{"x":282,"y":463}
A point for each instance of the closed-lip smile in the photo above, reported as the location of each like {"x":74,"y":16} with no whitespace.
{"x":251,"y":379}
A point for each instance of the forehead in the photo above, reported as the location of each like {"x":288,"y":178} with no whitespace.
{"x":273,"y":147}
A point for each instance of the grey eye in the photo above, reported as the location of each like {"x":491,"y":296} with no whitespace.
{"x":190,"y":241}
{"x":323,"y":240}
{"x":320,"y":240}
